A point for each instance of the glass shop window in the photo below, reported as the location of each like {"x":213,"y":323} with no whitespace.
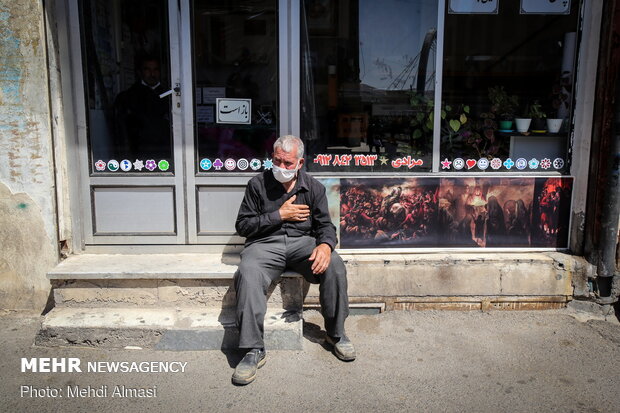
{"x":126,"y":75}
{"x":507,"y":87}
{"x":368,"y":84}
{"x":235,"y":83}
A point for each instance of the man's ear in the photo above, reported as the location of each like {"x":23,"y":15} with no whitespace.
{"x":301,"y":162}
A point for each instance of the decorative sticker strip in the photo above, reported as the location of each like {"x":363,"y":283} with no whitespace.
{"x":496,"y":163}
{"x":113,"y":165}
{"x":126,"y":165}
{"x":230,"y":164}
{"x":163,"y":165}
{"x":151,"y":165}
{"x":243,"y":164}
{"x":255,"y":164}
{"x":205,"y":164}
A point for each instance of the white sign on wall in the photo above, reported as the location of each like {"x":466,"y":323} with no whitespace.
{"x":237,"y":111}
{"x":545,"y":6}
{"x":209,"y":94}
{"x":473,"y":6}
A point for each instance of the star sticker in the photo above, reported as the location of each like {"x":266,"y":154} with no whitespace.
{"x":383,"y":160}
{"x":267,"y":163}
{"x":138,"y":165}
{"x":445,"y":164}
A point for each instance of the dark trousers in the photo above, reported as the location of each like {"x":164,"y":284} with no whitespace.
{"x":263,"y":262}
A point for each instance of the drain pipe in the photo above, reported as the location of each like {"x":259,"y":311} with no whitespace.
{"x":608,"y":275}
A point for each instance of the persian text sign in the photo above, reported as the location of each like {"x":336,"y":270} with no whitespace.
{"x":236,"y":111}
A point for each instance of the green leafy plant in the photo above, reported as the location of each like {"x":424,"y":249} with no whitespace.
{"x":535,"y":111}
{"x":422,"y":122}
{"x":503,"y":104}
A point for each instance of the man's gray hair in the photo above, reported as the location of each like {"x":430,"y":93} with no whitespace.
{"x":288,"y":143}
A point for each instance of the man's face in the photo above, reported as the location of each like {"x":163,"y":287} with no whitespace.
{"x":150,"y":72}
{"x":286,"y":160}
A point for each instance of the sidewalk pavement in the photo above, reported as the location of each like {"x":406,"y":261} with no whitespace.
{"x":425,"y":361}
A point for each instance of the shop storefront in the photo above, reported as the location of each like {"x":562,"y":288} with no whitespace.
{"x":433,"y":124}
{"x":459,"y":141}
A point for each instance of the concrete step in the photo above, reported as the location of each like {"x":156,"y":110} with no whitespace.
{"x":179,"y":329}
{"x":159,"y":280}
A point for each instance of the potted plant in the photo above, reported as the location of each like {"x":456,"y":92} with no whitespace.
{"x":538,"y":116}
{"x":504,"y":105}
{"x":522,"y":123}
{"x":554,"y":124}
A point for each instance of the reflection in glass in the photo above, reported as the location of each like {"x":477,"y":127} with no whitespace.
{"x":368,"y":76}
{"x":235,"y":57}
{"x":503,"y":84}
{"x":125,"y":49}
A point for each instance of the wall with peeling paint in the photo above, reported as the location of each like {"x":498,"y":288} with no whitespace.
{"x":28,"y":231}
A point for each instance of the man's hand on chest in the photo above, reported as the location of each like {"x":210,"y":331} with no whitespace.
{"x":294,"y":212}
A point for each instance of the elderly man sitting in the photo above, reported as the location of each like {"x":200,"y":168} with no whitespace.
{"x":285,"y":219}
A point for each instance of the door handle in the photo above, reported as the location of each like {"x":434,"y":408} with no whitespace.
{"x":176,"y":89}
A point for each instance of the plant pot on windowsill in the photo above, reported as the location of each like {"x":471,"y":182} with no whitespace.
{"x":539,"y":126}
{"x":523,"y":124}
{"x":554,"y":125}
{"x":505,"y":125}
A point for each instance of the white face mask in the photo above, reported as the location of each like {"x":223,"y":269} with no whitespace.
{"x":284,"y":175}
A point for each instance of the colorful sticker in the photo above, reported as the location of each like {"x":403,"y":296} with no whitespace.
{"x":483,"y":163}
{"x":470,"y":163}
{"x":230,"y":164}
{"x":255,"y":164}
{"x":445,"y":164}
{"x":100,"y":165}
{"x":558,"y":163}
{"x":218,"y":164}
{"x":163,"y":165}
{"x":545,"y":163}
{"x":113,"y":165}
{"x":243,"y":164}
{"x":205,"y":164}
{"x":458,"y":163}
{"x":138,"y":165}
{"x":509,"y":163}
{"x":521,"y":164}
{"x":126,"y":165}
{"x":407,"y":161}
{"x":533,"y":163}
{"x":496,"y":163}
{"x":267,"y":163}
{"x":151,"y":165}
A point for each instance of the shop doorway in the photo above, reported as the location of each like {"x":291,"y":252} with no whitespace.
{"x":181,"y":107}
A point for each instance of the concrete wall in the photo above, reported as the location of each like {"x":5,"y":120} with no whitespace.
{"x":28,"y":230}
